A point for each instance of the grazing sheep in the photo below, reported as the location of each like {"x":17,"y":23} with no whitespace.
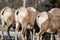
{"x":24,"y":16}
{"x":7,"y":18}
{"x":49,"y":22}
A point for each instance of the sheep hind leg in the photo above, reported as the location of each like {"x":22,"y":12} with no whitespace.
{"x":16,"y":30}
{"x":40,"y":37}
{"x":41,"y":33}
{"x":33,"y":34}
{"x":51,"y":36}
{"x":2,"y":31}
{"x":24,"y":28}
{"x":8,"y":28}
{"x":23,"y":34}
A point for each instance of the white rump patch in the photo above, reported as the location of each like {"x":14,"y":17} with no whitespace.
{"x":42,"y":18}
{"x":7,"y":14}
{"x":21,"y":15}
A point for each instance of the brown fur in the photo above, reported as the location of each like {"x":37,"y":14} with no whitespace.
{"x":29,"y":19}
{"x":53,"y":22}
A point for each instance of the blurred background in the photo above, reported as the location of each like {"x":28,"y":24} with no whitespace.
{"x":41,"y":5}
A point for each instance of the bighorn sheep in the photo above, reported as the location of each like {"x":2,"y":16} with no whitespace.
{"x":24,"y":16}
{"x":50,"y":21}
{"x":7,"y":18}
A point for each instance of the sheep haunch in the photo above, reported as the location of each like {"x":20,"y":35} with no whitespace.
{"x":7,"y":18}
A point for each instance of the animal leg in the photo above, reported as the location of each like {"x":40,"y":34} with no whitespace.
{"x":42,"y":30}
{"x":51,"y":36}
{"x":40,"y":37}
{"x":22,"y":34}
{"x":33,"y":34}
{"x":16,"y":30}
{"x":37,"y":37}
{"x":2,"y":30}
{"x":24,"y":27}
{"x":8,"y":28}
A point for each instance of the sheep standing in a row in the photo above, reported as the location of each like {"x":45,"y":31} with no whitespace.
{"x":7,"y":18}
